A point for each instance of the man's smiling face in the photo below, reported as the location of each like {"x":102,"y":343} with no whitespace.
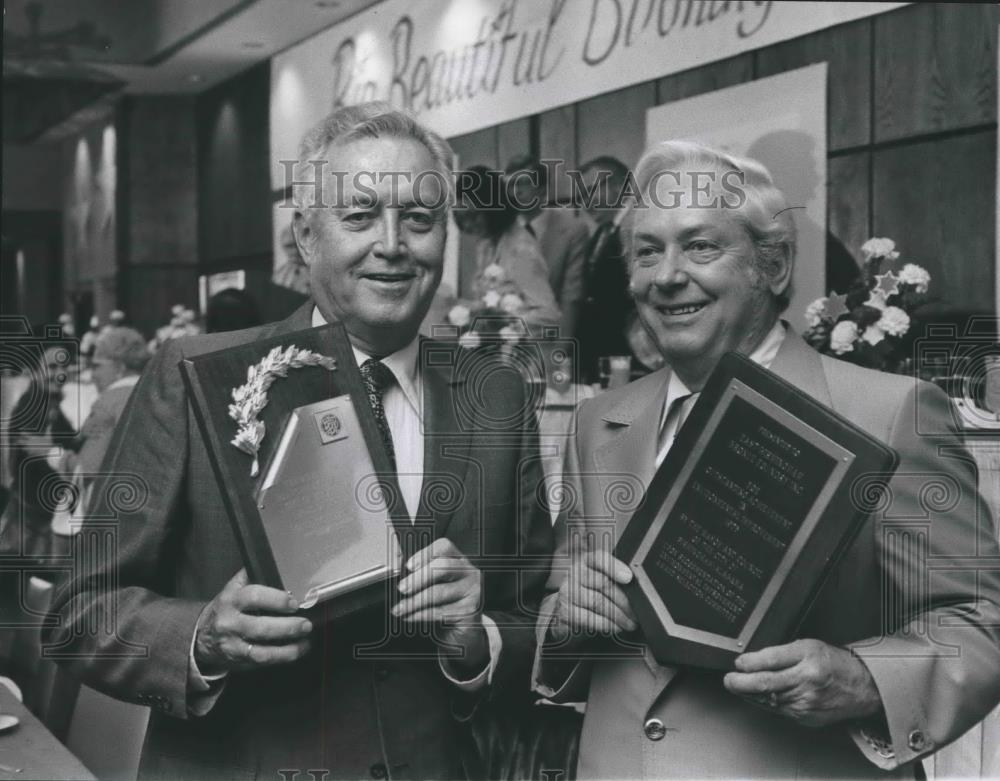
{"x":696,"y":286}
{"x":376,"y":255}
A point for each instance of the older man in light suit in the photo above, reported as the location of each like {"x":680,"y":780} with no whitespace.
{"x":900,"y":653}
{"x":241,"y":684}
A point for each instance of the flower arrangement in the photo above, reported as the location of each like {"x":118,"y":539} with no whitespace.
{"x":494,"y":315}
{"x":867,"y":324}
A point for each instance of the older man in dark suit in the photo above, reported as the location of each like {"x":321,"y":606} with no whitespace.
{"x":240,"y":683}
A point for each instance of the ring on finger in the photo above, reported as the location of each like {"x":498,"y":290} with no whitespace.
{"x":772,"y":700}
{"x":249,"y":653}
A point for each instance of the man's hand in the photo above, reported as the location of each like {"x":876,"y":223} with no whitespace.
{"x":248,"y":626}
{"x":444,"y":588}
{"x":809,"y":681}
{"x":591,"y":600}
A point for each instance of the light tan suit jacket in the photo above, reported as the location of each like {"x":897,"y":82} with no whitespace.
{"x":913,"y":568}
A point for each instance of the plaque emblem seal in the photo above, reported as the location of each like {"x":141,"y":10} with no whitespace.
{"x":330,"y":425}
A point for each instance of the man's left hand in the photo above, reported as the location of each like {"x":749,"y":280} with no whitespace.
{"x":443,"y":587}
{"x":809,"y":681}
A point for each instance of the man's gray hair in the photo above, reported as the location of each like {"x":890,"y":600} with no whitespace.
{"x":763,"y":212}
{"x":376,"y":119}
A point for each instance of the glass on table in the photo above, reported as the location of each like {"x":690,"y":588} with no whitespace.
{"x":614,"y":371}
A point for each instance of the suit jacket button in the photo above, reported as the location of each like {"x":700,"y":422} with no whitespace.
{"x":377,"y":770}
{"x":917,"y":740}
{"x":654,"y":729}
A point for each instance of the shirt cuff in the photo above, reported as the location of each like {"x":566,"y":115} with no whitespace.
{"x":485,"y":678}
{"x":876,"y":748}
{"x":203,"y":690}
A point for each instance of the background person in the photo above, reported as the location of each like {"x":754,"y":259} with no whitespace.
{"x":231,"y":309}
{"x":893,"y":660}
{"x":504,"y":242}
{"x":607,"y":310}
{"x":561,"y":235}
{"x":120,"y":355}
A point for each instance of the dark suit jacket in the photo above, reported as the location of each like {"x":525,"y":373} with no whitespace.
{"x":332,"y":710}
{"x":917,"y":596}
{"x":607,"y":306}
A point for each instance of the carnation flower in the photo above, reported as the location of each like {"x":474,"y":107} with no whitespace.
{"x":117,"y":316}
{"x":176,"y":309}
{"x":843,"y":336}
{"x":873,"y":335}
{"x":894,"y":321}
{"x":816,"y":311}
{"x":491,"y":299}
{"x":879,"y":248}
{"x":876,"y":299}
{"x":459,"y":315}
{"x":510,"y":334}
{"x":494,"y":273}
{"x":912,"y":274}
{"x":511,"y":303}
{"x":470,"y":340}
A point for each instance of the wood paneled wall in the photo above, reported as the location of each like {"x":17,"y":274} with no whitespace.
{"x":234,"y":170}
{"x":157,"y":208}
{"x":912,"y":120}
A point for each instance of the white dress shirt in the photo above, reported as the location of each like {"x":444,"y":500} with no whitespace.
{"x":672,"y":416}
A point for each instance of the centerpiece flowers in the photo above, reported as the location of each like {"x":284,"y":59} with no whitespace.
{"x":494,"y":317}
{"x":869,"y":323}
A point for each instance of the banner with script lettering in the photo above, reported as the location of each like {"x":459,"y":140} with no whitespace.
{"x":462,"y":65}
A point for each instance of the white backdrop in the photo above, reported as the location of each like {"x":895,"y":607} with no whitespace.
{"x":462,"y":65}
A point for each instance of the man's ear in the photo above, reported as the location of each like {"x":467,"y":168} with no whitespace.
{"x":781,"y":276}
{"x":305,"y":236}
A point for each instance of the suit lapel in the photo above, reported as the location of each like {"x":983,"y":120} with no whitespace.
{"x":446,"y":447}
{"x":631,"y":454}
{"x":800,"y":365}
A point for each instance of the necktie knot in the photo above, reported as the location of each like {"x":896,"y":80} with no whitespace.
{"x":377,"y":375}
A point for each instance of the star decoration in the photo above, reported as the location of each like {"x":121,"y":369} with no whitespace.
{"x":836,"y":307}
{"x":888,"y":283}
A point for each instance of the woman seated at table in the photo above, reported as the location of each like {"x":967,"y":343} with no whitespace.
{"x":508,"y":259}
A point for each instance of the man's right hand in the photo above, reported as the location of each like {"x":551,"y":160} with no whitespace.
{"x":591,"y":600}
{"x":248,"y":626}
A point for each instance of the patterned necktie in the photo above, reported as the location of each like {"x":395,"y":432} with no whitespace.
{"x":378,"y":378}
